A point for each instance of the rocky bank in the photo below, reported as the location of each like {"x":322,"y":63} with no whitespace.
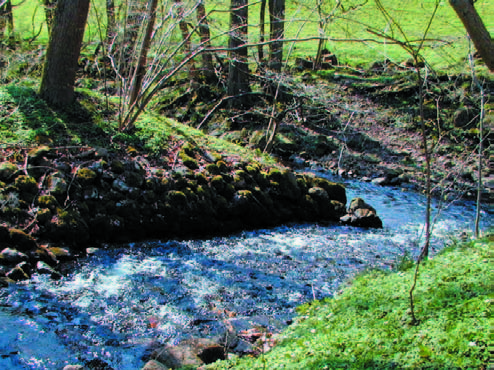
{"x":57,"y":202}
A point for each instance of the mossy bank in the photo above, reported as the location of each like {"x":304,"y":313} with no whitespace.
{"x":74,"y":198}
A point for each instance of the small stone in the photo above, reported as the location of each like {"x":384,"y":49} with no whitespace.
{"x":154,"y":365}
{"x":120,"y":185}
{"x":74,"y":367}
{"x":380,"y":181}
{"x":44,"y":268}
{"x":13,"y":256}
{"x":191,"y":352}
{"x":17,"y":274}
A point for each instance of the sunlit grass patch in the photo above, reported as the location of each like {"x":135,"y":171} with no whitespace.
{"x":368,"y":325}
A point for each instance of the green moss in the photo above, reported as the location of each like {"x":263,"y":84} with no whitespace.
{"x":213,"y":169}
{"x":26,"y":184}
{"x":188,"y":149}
{"x":176,"y":198}
{"x":335,"y":191}
{"x":188,"y":161}
{"x":47,"y":201}
{"x":38,"y":152}
{"x":43,"y":215}
{"x":117,"y":167}
{"x":251,"y":169}
{"x":7,"y":171}
{"x":86,"y":176}
{"x":222,"y":166}
{"x":21,"y":240}
{"x":218,"y":183}
{"x":275,"y":175}
{"x":191,"y":196}
{"x":201,"y":178}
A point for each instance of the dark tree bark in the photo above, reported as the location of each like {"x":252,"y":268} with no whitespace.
{"x":238,"y":71}
{"x":320,"y":45}
{"x":128,"y":50}
{"x":6,"y":19}
{"x":143,"y":53}
{"x":184,"y":27}
{"x":111,"y":23}
{"x":204,"y":34}
{"x":476,"y":29}
{"x":50,"y":6}
{"x":262,"y":30}
{"x":277,"y":32}
{"x":57,"y":84}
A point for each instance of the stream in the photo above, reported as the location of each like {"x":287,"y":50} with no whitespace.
{"x":118,"y":304}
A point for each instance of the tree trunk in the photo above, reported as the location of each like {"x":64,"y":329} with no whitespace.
{"x":277,"y":31}
{"x":238,"y":72}
{"x":134,"y":19}
{"x":320,"y":45}
{"x":143,"y":53}
{"x":184,"y":28}
{"x":207,"y":59}
{"x":111,"y":23}
{"x":57,"y":84}
{"x":262,"y":31}
{"x":476,"y":29}
{"x":6,"y":20}
{"x":50,"y":6}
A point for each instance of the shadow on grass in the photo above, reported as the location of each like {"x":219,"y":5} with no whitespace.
{"x":72,"y":125}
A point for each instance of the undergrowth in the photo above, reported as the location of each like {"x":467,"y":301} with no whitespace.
{"x":368,"y":325}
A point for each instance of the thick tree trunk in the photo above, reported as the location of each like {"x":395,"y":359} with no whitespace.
{"x":57,"y":84}
{"x":476,"y":29}
{"x":277,"y":31}
{"x":238,"y":72}
{"x":204,"y":34}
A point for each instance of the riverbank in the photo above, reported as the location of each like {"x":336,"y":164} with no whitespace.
{"x":368,"y":325}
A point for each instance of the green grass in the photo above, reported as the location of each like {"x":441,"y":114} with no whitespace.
{"x":446,"y":50}
{"x":26,"y":121}
{"x":368,"y":325}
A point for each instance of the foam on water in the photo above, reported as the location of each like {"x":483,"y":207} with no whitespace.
{"x":119,"y":303}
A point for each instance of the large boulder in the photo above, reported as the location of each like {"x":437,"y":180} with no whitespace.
{"x":361,"y":214}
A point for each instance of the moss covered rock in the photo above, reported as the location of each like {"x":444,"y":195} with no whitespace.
{"x":177,"y":198}
{"x":335,"y":190}
{"x":188,"y":161}
{"x":21,"y":240}
{"x":86,"y":176}
{"x":47,"y":201}
{"x":26,"y":184}
{"x":7,"y":171}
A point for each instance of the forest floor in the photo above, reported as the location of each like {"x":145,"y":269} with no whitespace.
{"x":366,"y":125}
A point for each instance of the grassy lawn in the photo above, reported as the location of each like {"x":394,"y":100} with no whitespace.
{"x":367,"y":326}
{"x":446,"y":49}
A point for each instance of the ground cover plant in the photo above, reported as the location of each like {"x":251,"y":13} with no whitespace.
{"x":367,"y":325}
{"x":358,"y":119}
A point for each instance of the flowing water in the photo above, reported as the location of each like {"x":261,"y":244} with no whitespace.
{"x":118,"y":304}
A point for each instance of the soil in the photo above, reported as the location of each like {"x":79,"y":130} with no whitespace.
{"x":367,"y":125}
